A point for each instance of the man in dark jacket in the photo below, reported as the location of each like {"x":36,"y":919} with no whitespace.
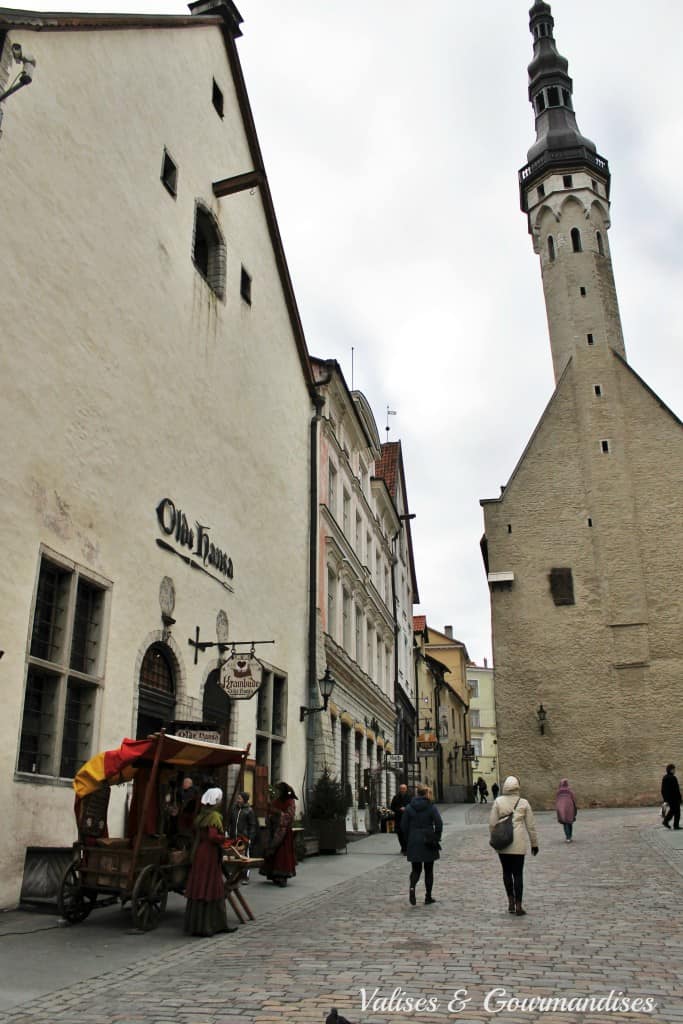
{"x":243,"y":824}
{"x":422,"y":827}
{"x":398,"y":805}
{"x":671,"y":793}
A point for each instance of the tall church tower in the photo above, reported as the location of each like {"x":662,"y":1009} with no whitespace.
{"x":564,"y":191}
{"x":583,"y":547}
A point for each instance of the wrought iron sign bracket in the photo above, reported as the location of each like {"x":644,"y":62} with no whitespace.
{"x":222,"y":645}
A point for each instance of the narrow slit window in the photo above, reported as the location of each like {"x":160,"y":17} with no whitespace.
{"x":604,"y":447}
{"x":582,"y":290}
{"x":245,"y":286}
{"x":589,"y":521}
{"x":217,"y":98}
{"x":541,"y":191}
{"x":576,"y":240}
{"x":169,"y":174}
{"x":568,"y":181}
{"x":553,"y":96}
{"x":540,"y":103}
{"x":509,"y":527}
{"x":601,"y":247}
{"x":589,"y":339}
{"x":598,"y":390}
{"x":551,"y":247}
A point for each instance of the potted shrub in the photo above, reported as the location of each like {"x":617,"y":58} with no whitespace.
{"x":329,"y":803}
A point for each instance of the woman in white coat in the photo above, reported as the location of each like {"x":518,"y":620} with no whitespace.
{"x":523,"y":834}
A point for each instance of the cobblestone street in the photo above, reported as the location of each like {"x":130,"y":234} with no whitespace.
{"x":603,"y":916}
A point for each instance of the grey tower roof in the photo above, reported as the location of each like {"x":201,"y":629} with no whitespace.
{"x":558,"y":139}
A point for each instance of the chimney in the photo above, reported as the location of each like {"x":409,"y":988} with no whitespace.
{"x":225,"y":8}
{"x":448,"y":630}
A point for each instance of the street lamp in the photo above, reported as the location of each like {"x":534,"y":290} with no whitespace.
{"x":326,"y":684}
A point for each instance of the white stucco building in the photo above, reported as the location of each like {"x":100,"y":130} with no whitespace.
{"x":366,"y":589}
{"x":155,"y":469}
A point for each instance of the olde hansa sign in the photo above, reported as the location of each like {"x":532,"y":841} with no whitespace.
{"x":204,"y":555}
{"x":241,"y":676}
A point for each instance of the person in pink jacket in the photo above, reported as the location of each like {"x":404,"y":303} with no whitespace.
{"x":524,"y":834}
{"x":565,"y":805}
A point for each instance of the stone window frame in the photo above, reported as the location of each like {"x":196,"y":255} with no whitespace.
{"x":69,"y":682}
{"x":207,"y":233}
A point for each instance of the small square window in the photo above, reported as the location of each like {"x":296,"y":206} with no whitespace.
{"x":217,"y":98}
{"x":568,"y":181}
{"x":561,"y":586}
{"x":604,"y":447}
{"x":589,"y":339}
{"x":582,"y":290}
{"x":169,"y":174}
{"x":245,"y":286}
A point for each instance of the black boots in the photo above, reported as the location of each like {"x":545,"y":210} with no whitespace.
{"x":411,"y":896}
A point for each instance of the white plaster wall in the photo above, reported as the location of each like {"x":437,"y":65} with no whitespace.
{"x":127,"y":381}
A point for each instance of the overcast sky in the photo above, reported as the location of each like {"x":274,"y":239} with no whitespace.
{"x":392,"y":134}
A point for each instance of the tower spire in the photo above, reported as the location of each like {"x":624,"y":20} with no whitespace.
{"x":564,"y":191}
{"x":550,"y":91}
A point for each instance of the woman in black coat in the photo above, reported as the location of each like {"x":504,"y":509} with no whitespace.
{"x":422,"y":828}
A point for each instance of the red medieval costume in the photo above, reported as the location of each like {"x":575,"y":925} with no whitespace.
{"x":279,"y":860}
{"x":205,"y":913}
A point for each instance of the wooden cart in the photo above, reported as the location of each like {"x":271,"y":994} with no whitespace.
{"x":154,"y":856}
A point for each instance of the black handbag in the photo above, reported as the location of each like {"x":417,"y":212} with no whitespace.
{"x":502,"y":832}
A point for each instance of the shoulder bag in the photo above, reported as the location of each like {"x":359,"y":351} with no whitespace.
{"x":502,"y":832}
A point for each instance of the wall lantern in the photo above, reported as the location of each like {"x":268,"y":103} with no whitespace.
{"x":541,"y":715}
{"x":326,"y":684}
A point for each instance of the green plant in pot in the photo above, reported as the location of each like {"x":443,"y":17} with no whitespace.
{"x":330,"y":801}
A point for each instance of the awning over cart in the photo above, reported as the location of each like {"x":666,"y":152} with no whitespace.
{"x":122,"y":764}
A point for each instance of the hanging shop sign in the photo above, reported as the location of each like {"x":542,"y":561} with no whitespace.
{"x":394,"y":760}
{"x":241,"y":676}
{"x":205,"y":732}
{"x":204,"y":554}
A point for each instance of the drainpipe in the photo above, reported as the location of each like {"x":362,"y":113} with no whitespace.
{"x":313,"y":688}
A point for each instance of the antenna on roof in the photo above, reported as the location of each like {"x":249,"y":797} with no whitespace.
{"x":390,"y":412}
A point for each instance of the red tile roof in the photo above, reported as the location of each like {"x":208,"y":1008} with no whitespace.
{"x":387,"y":466}
{"x":419,"y":623}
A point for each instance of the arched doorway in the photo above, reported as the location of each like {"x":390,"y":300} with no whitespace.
{"x":217,"y":706}
{"x":156,"y":690}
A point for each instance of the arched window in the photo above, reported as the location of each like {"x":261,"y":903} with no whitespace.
{"x":551,"y":247}
{"x":576,"y":240}
{"x":208,"y":250}
{"x":217,"y":706}
{"x":156,"y":705}
{"x":601,"y":247}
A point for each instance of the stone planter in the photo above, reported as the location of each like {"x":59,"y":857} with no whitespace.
{"x":331,"y":834}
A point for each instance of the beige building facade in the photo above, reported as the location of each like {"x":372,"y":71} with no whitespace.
{"x":158,"y":398}
{"x":482,"y":716}
{"x":584,"y":546}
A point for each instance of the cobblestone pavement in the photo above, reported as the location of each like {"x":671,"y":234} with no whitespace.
{"x":603,"y":916}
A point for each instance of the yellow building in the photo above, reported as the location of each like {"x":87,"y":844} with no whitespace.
{"x":443,"y":738}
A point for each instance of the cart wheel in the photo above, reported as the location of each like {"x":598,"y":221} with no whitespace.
{"x":148,"y":902}
{"x":73,"y":904}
